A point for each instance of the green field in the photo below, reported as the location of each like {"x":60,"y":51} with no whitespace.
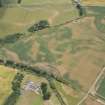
{"x":6,"y":77}
{"x":101,"y":89}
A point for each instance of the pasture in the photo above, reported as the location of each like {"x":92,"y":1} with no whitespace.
{"x":19,"y":18}
{"x":6,"y":77}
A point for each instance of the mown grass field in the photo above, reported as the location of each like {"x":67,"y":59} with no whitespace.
{"x":6,"y":77}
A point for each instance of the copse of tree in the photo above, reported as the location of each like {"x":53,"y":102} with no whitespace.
{"x":0,"y":3}
{"x":16,"y":84}
{"x":80,"y":8}
{"x":11,"y":38}
{"x":39,"y":26}
{"x":45,"y":91}
{"x":19,"y":1}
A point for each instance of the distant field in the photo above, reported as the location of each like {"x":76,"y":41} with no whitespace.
{"x":6,"y":77}
{"x":101,"y":89}
{"x":74,"y":49}
{"x":94,"y":2}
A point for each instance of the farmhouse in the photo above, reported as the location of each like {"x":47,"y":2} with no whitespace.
{"x":31,"y":86}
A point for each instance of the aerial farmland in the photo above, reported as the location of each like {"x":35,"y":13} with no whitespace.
{"x":52,"y":52}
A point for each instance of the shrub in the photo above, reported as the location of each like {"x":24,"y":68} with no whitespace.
{"x":45,"y":91}
{"x":39,"y":26}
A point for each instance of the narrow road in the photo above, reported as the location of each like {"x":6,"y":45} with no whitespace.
{"x":93,"y":85}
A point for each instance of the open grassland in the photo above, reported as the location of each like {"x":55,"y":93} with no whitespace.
{"x":17,"y":19}
{"x":94,"y":2}
{"x":76,"y":48}
{"x":6,"y":77}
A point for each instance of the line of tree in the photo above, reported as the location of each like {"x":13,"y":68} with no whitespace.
{"x":39,"y":72}
{"x":16,"y":90}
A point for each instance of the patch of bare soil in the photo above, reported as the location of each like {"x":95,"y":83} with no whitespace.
{"x":34,"y":50}
{"x":51,"y":19}
{"x":64,"y":67}
{"x":91,"y":101}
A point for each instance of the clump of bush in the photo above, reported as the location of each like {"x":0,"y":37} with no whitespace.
{"x":39,"y":26}
{"x":11,"y":38}
{"x":45,"y":91}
